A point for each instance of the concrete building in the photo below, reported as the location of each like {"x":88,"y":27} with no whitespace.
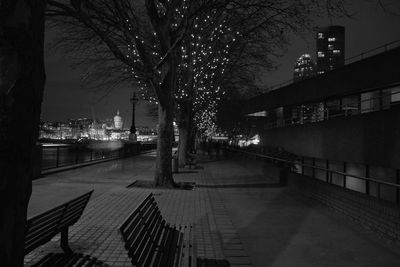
{"x":330,"y":48}
{"x":353,"y":117}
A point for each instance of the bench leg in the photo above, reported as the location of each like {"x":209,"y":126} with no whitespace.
{"x":64,"y":241}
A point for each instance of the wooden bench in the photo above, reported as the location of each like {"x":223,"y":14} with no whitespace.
{"x":151,"y":241}
{"x":43,"y":227}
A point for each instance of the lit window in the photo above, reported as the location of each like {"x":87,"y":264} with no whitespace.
{"x":330,"y":47}
{"x":320,"y":35}
{"x":331,"y":39}
{"x":321,"y":54}
{"x":336,"y":51}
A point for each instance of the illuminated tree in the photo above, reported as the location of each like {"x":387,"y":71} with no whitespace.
{"x":227,"y":47}
{"x":143,"y":37}
{"x":203,"y":59}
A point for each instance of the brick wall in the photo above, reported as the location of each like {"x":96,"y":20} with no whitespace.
{"x":380,"y":216}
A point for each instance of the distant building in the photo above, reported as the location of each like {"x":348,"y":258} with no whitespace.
{"x":80,"y":127}
{"x":304,"y":68}
{"x":118,"y":122}
{"x":84,"y":128}
{"x":330,"y":48}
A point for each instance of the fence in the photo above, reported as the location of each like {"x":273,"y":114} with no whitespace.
{"x":341,"y":174}
{"x":57,"y":156}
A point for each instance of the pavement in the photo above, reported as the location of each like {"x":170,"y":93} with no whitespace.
{"x":238,"y":213}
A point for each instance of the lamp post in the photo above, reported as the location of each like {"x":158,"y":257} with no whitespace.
{"x":134,"y":99}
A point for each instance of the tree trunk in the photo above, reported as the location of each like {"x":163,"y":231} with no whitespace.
{"x":21,"y":89}
{"x":184,"y":127}
{"x":163,"y":175}
{"x":183,"y":146}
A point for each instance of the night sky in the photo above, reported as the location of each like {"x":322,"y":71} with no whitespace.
{"x":65,"y":97}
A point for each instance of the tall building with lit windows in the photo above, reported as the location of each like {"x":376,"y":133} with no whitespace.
{"x":330,"y":48}
{"x":304,"y":68}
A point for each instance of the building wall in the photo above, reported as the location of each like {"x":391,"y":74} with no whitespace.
{"x":371,"y":138}
{"x":377,"y":71}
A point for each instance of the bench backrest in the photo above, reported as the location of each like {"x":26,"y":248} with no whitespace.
{"x":43,"y":227}
{"x":148,"y":239}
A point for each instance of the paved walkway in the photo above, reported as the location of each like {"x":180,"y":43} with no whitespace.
{"x":236,"y":212}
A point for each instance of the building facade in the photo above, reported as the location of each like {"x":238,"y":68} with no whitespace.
{"x":330,"y":48}
{"x":304,"y":68}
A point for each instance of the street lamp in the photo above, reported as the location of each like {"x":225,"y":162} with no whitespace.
{"x":134,"y":99}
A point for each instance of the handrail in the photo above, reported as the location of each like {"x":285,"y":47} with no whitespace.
{"x":317,"y":167}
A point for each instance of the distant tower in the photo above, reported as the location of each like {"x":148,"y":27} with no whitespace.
{"x":330,"y":48}
{"x":304,"y":68}
{"x":118,"y":123}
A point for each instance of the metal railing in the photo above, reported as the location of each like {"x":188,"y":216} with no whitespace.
{"x":330,"y":175}
{"x":57,"y":156}
{"x":376,"y":100}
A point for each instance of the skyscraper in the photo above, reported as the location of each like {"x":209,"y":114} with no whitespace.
{"x":304,"y":68}
{"x":330,"y":48}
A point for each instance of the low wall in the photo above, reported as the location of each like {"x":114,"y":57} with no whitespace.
{"x":378,"y":215}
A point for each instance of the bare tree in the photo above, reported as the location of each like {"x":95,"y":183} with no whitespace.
{"x":142,"y":35}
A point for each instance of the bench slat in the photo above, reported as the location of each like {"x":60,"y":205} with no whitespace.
{"x":136,"y":225}
{"x":71,"y":218}
{"x":49,"y":225}
{"x":32,"y":223}
{"x":169,"y":257}
{"x":152,"y":243}
{"x":179,"y":250}
{"x":155,"y":245}
{"x":165,"y":237}
{"x":133,"y":214}
{"x":148,"y":237}
{"x":141,"y":236}
{"x":56,"y":223}
{"x":78,"y":199}
{"x":38,"y":241}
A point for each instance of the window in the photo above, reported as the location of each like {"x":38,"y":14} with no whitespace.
{"x":258,"y":114}
{"x":321,"y":54}
{"x":330,"y":47}
{"x":331,"y":39}
{"x":395,"y":95}
{"x":320,"y":35}
{"x":336,"y":51}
